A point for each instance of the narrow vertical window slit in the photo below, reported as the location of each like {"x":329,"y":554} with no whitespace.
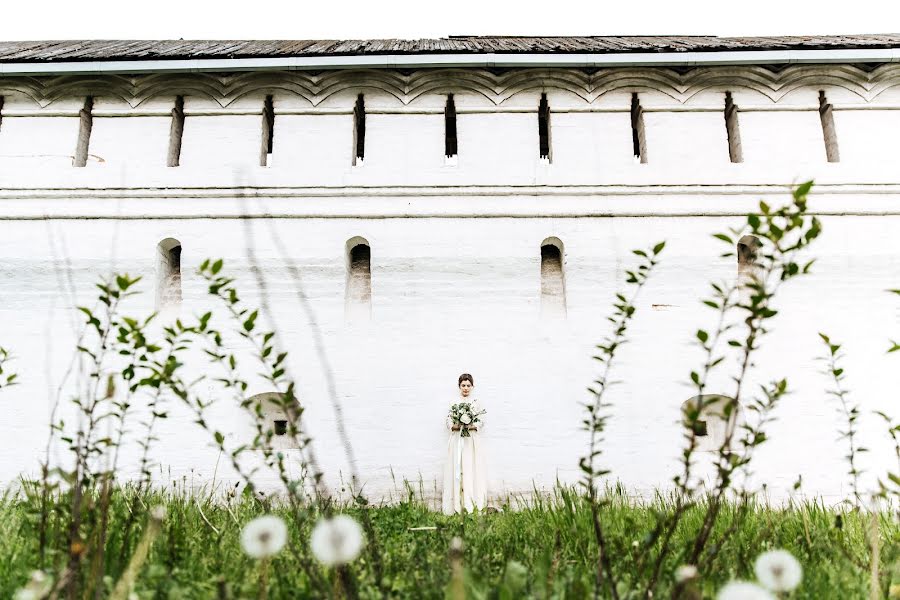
{"x":176,"y":133}
{"x":731,"y":127}
{"x":86,"y":122}
{"x":544,"y":128}
{"x":638,"y":137}
{"x":268,"y":132}
{"x":359,"y":130}
{"x":450,"y":145}
{"x":826,"y":113}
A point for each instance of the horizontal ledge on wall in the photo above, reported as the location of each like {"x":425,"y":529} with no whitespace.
{"x":395,"y":61}
{"x":599,"y":214}
{"x":363,"y":191}
{"x":621,"y":201}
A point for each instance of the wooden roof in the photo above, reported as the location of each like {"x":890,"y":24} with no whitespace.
{"x":93,"y":50}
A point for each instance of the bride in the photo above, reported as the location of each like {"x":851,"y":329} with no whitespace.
{"x":464,"y":474}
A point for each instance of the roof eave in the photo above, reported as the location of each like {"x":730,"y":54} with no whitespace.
{"x":472,"y":60}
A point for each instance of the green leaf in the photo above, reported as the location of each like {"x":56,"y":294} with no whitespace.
{"x":217,"y":266}
{"x":723,"y":237}
{"x":753,"y":221}
{"x":659,"y":247}
{"x":803,"y":190}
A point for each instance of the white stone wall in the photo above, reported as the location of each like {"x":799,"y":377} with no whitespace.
{"x":455,"y":252}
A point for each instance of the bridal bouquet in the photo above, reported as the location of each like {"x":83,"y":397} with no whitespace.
{"x":464,"y":416}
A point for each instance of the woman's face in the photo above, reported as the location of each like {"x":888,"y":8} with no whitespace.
{"x":465,"y":388}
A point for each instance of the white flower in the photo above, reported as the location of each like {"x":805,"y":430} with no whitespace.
{"x":456,"y":544}
{"x":685,"y":573}
{"x":336,"y":541}
{"x":743,"y":590}
{"x":264,"y":537}
{"x":25,"y":594}
{"x":465,"y":418}
{"x":778,"y":570}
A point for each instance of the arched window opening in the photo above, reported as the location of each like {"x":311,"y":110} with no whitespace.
{"x":359,"y":278}
{"x":712,"y":417}
{"x":168,"y":279}
{"x":273,"y":419}
{"x":748,"y":249}
{"x":553,"y":285}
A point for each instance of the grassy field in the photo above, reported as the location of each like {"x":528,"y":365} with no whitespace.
{"x":543,"y":551}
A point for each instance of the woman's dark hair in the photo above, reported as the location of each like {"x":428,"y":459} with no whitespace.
{"x":465,"y":377}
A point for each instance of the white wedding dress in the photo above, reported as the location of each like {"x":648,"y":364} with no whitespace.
{"x":465,"y":484}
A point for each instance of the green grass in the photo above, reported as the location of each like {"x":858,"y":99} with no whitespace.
{"x":553,"y":540}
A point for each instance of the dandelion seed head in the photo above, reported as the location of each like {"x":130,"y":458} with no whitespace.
{"x":158,"y":513}
{"x":685,"y":573}
{"x":743,"y":590}
{"x":38,"y":587}
{"x":336,"y":541}
{"x":778,"y":570}
{"x":264,"y":536}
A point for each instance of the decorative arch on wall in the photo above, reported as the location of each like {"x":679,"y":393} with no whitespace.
{"x":716,"y":420}
{"x":168,"y":274}
{"x":358,"y":297}
{"x":496,"y":88}
{"x":553,"y":280}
